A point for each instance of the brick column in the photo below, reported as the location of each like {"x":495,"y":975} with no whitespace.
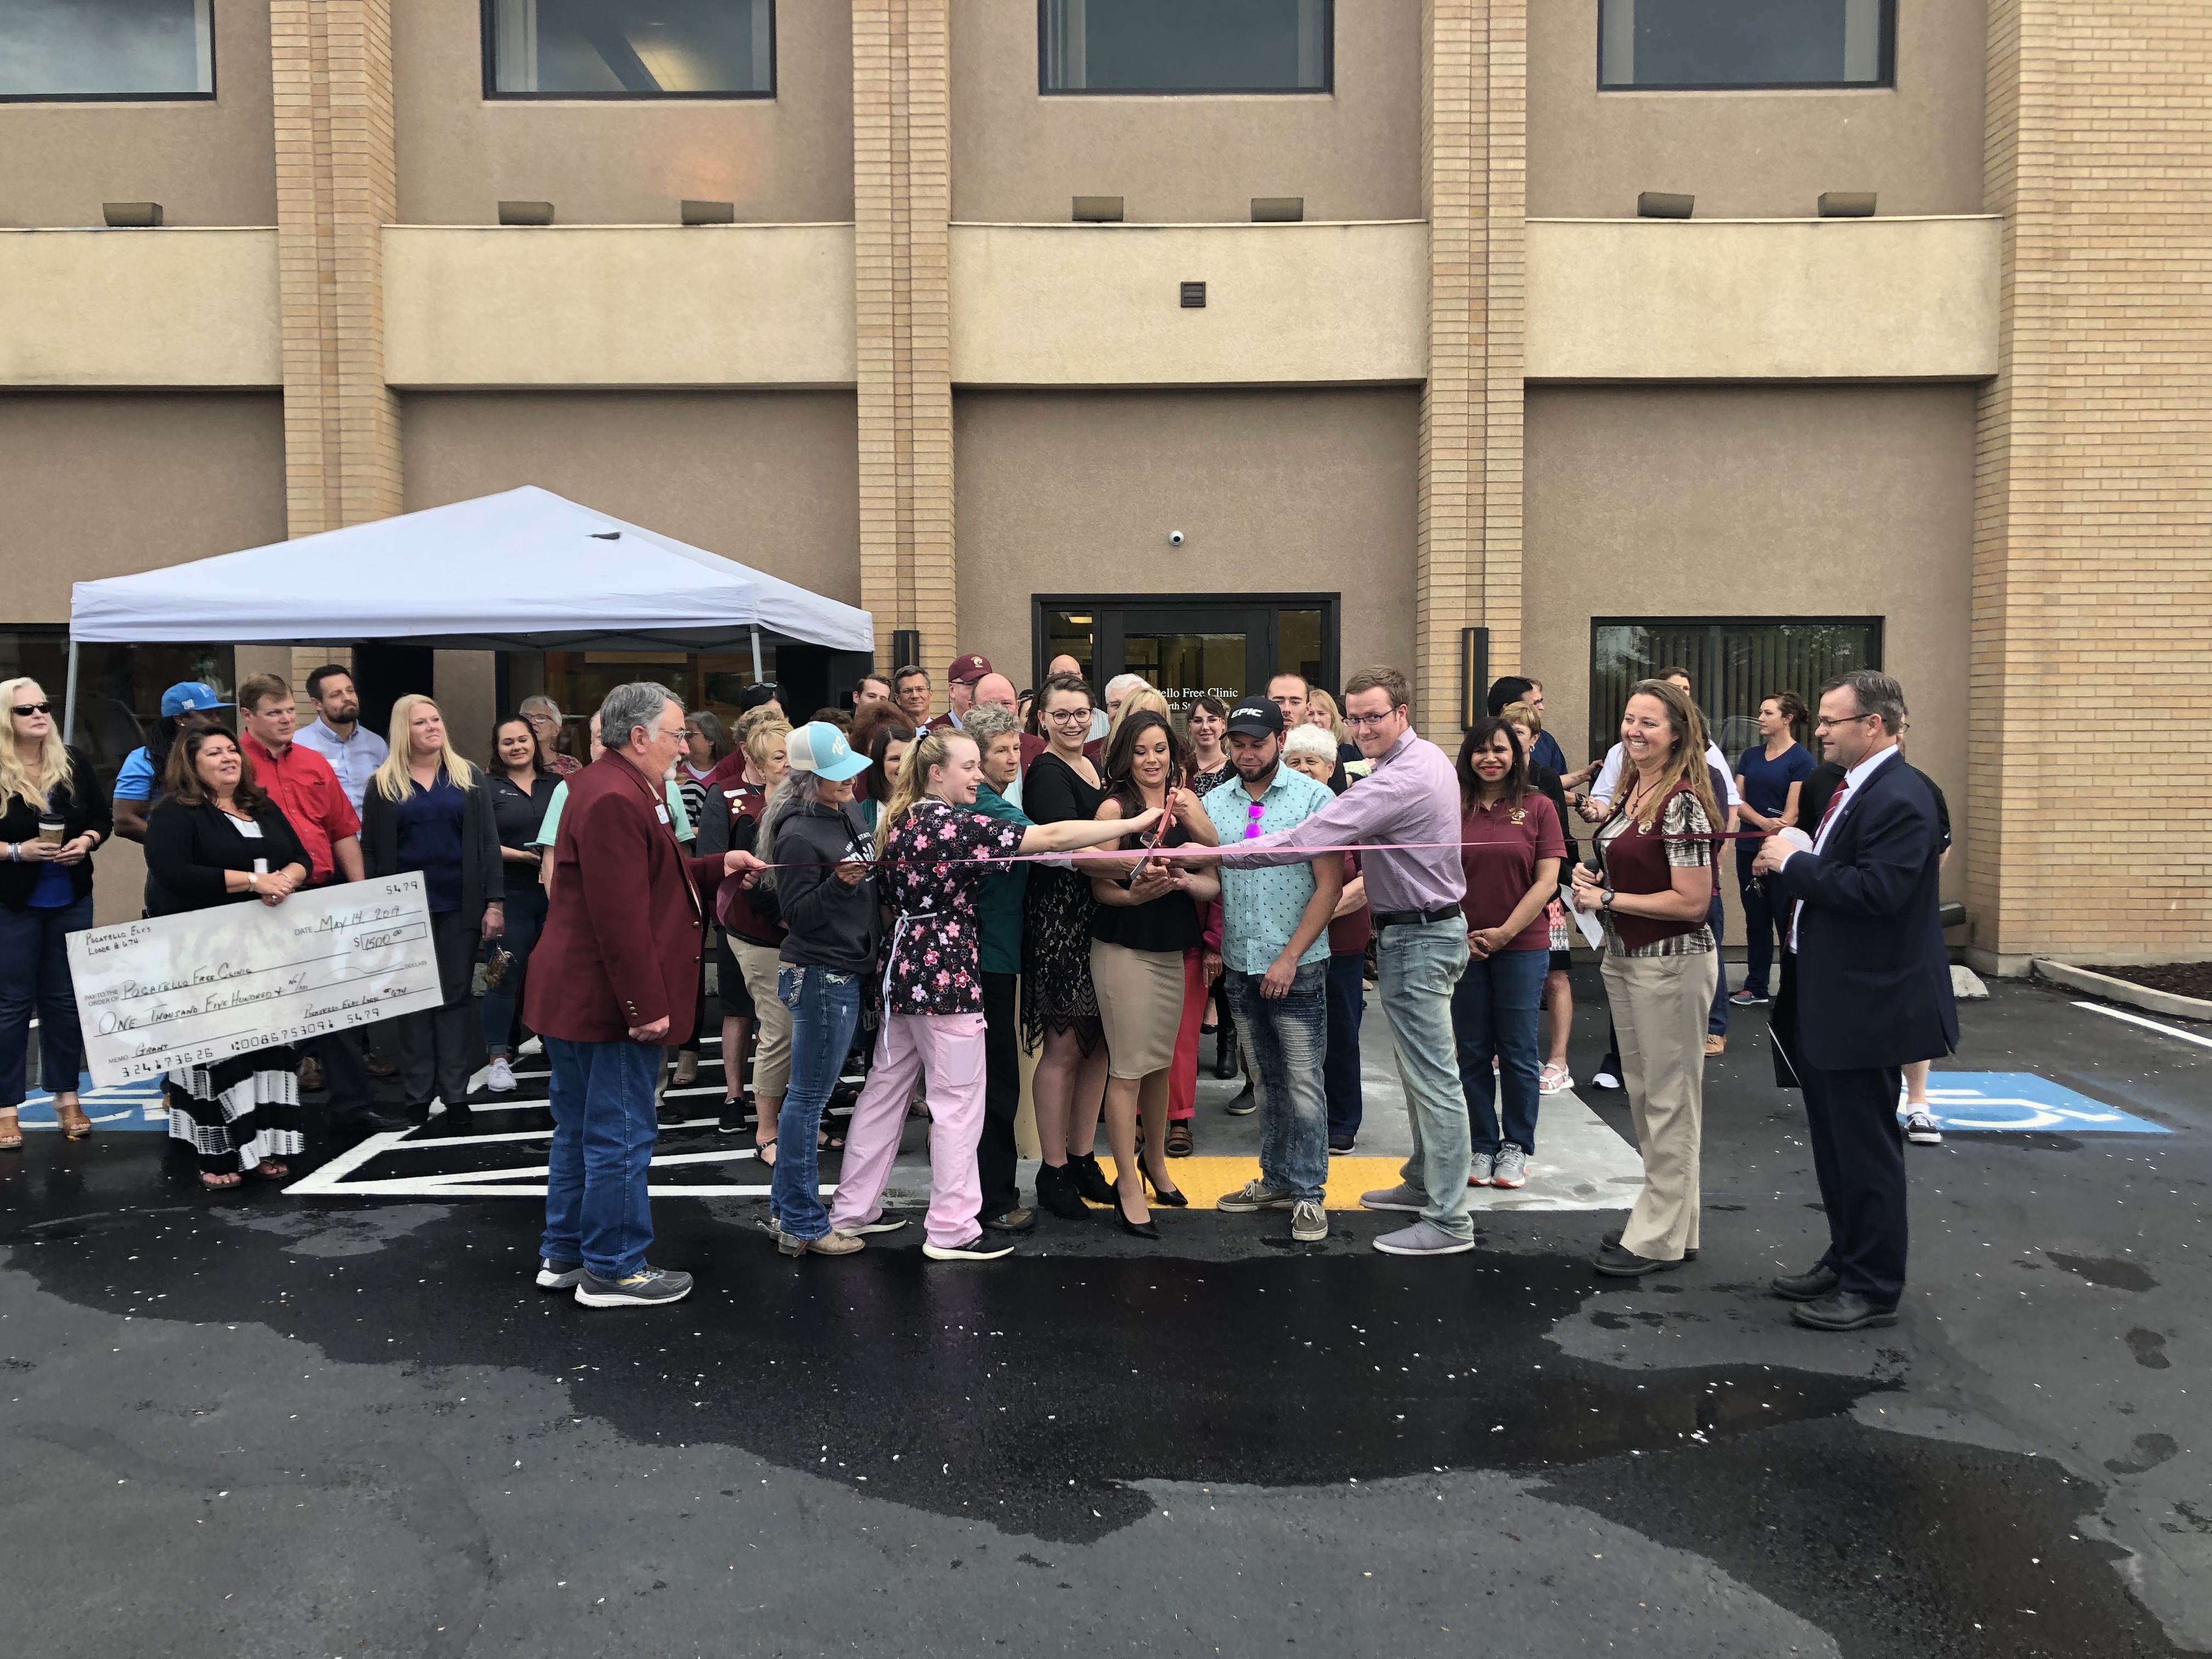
{"x":903,"y":206}
{"x":1474,"y":151}
{"x":336,"y":191}
{"x":2092,"y":575}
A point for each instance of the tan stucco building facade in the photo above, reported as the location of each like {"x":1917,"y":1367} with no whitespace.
{"x":1468,"y":387}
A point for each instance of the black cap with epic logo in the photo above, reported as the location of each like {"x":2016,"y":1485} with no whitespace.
{"x":1257,"y":717}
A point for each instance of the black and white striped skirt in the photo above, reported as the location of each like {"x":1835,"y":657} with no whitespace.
{"x":236,"y":1113}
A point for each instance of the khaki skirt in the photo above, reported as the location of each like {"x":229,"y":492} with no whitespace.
{"x":1139,"y":1004}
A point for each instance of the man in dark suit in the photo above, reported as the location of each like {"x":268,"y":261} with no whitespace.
{"x":618,"y":981}
{"x":1866,"y":990}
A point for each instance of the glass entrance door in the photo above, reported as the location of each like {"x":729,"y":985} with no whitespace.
{"x":1195,"y":647}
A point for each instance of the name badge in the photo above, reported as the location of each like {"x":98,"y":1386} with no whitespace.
{"x":247,"y":827}
{"x":661,"y":812}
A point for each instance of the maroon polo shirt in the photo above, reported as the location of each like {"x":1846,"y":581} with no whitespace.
{"x":1499,"y":848}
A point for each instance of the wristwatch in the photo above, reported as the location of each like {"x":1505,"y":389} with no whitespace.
{"x":1606,"y":903}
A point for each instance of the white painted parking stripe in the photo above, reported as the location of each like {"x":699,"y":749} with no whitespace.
{"x":2151,"y":1025}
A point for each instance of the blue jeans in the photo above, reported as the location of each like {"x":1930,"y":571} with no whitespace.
{"x":1347,"y":1005}
{"x":1717,"y":1020}
{"x":526,"y":916}
{"x":1287,"y":1039}
{"x":1494,"y":1015}
{"x":1759,"y":919}
{"x":825,"y":1007}
{"x":604,"y":1126}
{"x":37,"y":977}
{"x":1421,"y":964}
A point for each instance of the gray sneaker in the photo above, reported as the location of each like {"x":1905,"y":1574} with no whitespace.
{"x":559,"y":1275}
{"x":1512,"y":1167}
{"x":1308,"y":1222}
{"x":1422,"y":1238}
{"x":1399,"y":1197}
{"x":1256,"y":1194}
{"x":1478,"y":1170}
{"x":643,"y":1288}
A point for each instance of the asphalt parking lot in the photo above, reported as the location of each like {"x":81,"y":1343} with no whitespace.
{"x":347,"y":1424}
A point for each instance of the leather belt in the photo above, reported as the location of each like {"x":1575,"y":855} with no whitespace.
{"x":1408,"y":918}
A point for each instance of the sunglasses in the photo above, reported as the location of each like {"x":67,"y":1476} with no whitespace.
{"x":34,"y":708}
{"x":1253,"y":814}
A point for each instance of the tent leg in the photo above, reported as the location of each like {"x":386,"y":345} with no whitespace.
{"x":757,"y":660}
{"x":68,"y":697}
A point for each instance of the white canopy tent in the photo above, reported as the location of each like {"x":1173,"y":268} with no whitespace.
{"x":525,"y":569}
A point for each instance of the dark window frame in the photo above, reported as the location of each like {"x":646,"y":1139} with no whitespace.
{"x":1329,"y":605}
{"x":214,"y":84}
{"x":489,"y":26}
{"x":1326,"y":89}
{"x":1715,"y":627}
{"x":1886,"y":81}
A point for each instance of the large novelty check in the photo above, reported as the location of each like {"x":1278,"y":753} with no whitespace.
{"x":202,"y":988}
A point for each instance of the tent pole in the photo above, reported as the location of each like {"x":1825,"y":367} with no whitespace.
{"x":68,"y":697}
{"x":756,"y":662}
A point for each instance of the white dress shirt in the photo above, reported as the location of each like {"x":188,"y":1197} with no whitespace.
{"x":1840,"y":805}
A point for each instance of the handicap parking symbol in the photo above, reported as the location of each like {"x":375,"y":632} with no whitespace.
{"x":2012,"y":1100}
{"x":136,"y":1105}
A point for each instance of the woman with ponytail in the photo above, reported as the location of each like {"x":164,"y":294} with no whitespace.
{"x":1770,"y":777}
{"x":931,"y":846}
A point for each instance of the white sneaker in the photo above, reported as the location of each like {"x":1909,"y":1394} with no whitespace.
{"x":1606,"y":1080}
{"x":502,"y":1076}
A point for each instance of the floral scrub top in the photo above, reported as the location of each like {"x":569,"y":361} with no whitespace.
{"x":934,"y":965}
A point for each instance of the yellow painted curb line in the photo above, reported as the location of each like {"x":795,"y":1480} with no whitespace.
{"x":1205,"y":1180}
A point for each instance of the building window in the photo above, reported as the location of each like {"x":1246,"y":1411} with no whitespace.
{"x":1732,"y":665}
{"x":78,"y":49}
{"x":1709,"y":44}
{"x":619,"y":49}
{"x":1190,"y":645}
{"x":1183,"y":45}
{"x":118,"y":687}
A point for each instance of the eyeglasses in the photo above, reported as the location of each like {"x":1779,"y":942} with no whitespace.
{"x":1369,"y":720}
{"x":1083,"y":714}
{"x":34,"y":708}
{"x":677,"y":736}
{"x":1253,"y":814}
{"x":1843,"y":720}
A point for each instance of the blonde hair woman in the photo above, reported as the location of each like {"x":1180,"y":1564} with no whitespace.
{"x":1140,"y":697}
{"x":427,"y":811}
{"x":1658,"y":850}
{"x":933,"y":849}
{"x":1321,"y":711}
{"x":53,"y":814}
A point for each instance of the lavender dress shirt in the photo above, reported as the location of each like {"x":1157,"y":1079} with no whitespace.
{"x":1410,"y":799}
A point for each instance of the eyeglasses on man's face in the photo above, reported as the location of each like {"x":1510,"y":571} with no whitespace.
{"x":1826,"y":720}
{"x":1370,"y":720}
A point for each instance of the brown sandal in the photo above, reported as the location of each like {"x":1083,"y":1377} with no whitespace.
{"x":74,"y":1124}
{"x":270,"y":1169}
{"x":1180,"y":1141}
{"x":11,"y":1131}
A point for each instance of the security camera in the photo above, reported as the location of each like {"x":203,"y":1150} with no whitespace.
{"x":1175,"y":538}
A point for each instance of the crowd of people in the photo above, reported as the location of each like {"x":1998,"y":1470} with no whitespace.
{"x":933,"y":892}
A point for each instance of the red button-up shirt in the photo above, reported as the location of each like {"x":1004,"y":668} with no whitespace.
{"x":304,"y":787}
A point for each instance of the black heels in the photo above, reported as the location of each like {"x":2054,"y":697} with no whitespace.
{"x":1170,"y":1196}
{"x":1137,"y":1229}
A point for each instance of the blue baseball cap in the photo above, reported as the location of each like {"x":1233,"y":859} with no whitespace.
{"x":820,"y":748}
{"x":188,"y":695}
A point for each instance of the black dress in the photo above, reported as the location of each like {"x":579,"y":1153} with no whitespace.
{"x":1056,"y":990}
{"x":238,"y":1111}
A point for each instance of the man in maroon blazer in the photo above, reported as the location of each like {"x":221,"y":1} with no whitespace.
{"x":617,"y":979}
